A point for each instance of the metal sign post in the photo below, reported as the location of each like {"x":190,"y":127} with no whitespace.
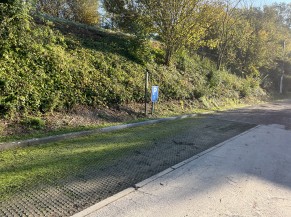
{"x":146,"y":91}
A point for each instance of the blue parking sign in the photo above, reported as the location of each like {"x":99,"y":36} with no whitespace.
{"x":155,"y":93}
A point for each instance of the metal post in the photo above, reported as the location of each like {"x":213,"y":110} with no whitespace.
{"x":281,"y":84}
{"x":153,"y":108}
{"x":146,"y":92}
{"x":283,"y":70}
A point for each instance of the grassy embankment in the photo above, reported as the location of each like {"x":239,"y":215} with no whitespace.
{"x":72,"y":77}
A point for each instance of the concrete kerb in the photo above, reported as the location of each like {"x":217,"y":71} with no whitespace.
{"x":152,"y":178}
{"x":38,"y":141}
{"x":103,"y":203}
{"x":127,"y":191}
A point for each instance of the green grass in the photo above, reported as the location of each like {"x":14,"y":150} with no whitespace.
{"x":43,"y":133}
{"x":27,"y":167}
{"x":59,"y":131}
{"x":277,"y":96}
{"x":170,"y":109}
{"x":166,"y":109}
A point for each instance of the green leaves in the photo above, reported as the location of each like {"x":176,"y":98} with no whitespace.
{"x":83,"y":11}
{"x":43,"y":71}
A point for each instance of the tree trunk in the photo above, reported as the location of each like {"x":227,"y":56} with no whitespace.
{"x":219,"y":62}
{"x":168,"y":57}
{"x":220,"y":59}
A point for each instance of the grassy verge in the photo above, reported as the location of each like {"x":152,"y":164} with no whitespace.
{"x":43,"y":133}
{"x":277,"y":96}
{"x":209,"y":106}
{"x":162,"y":109}
{"x":25,"y":168}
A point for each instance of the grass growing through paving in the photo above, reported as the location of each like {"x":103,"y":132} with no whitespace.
{"x":24,"y":168}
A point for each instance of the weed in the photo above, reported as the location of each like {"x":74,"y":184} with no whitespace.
{"x":33,"y":123}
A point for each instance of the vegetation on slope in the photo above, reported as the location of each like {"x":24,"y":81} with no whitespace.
{"x":49,"y":65}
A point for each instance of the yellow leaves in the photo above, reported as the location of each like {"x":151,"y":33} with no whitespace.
{"x":179,"y":23}
{"x":212,"y":43}
{"x":263,"y":35}
{"x":87,"y":11}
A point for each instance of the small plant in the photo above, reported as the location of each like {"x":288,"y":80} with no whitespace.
{"x":33,"y":123}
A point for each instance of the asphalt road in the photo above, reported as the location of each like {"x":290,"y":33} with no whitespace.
{"x":249,"y":175}
{"x":276,"y":113}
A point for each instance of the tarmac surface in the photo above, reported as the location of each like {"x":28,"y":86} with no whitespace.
{"x":278,"y":112}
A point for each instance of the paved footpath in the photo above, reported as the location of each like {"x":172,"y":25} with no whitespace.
{"x":249,"y":175}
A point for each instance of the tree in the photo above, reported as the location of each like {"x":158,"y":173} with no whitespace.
{"x":128,"y":16}
{"x":83,"y":11}
{"x":284,"y":13}
{"x":277,"y":17}
{"x":250,"y":40}
{"x":226,"y":24}
{"x":4,"y":1}
{"x":177,"y":23}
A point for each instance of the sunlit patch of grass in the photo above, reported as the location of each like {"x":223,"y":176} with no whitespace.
{"x":44,"y":133}
{"x":162,"y":109}
{"x":26,"y":167}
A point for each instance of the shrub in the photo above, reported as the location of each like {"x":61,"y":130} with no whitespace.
{"x":33,"y":123}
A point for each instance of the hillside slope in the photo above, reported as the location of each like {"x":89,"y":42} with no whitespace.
{"x":50,"y":66}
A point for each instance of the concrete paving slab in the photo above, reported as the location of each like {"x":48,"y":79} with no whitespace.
{"x":247,"y":176}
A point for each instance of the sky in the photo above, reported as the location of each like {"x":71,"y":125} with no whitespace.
{"x":269,"y":2}
{"x":275,"y":1}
